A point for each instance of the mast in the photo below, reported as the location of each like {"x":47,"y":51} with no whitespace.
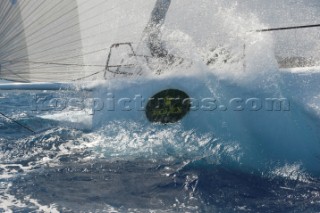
{"x":152,"y":32}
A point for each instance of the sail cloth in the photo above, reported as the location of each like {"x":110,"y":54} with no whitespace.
{"x":12,"y":42}
{"x":44,"y":40}
{"x":37,"y":36}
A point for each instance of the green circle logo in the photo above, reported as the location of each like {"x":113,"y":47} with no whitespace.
{"x":168,"y":106}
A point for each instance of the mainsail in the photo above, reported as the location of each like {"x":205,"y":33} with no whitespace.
{"x":44,"y":40}
{"x":11,"y":20}
{"x":36,"y":37}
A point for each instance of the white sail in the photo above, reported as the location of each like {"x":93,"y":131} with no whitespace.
{"x":13,"y":43}
{"x":41,"y":35}
{"x":45,"y":40}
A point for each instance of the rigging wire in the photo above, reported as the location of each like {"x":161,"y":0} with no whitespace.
{"x":18,"y":123}
{"x":287,"y":28}
{"x":88,"y":76}
{"x":13,"y":73}
{"x":52,"y":63}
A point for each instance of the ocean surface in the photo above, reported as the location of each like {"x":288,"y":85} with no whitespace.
{"x":128,"y":167}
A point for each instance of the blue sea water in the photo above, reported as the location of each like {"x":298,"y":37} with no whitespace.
{"x":125,"y":166}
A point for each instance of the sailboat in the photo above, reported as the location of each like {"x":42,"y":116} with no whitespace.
{"x":122,"y":53}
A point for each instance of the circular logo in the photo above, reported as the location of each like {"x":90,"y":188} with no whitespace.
{"x":168,"y":106}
